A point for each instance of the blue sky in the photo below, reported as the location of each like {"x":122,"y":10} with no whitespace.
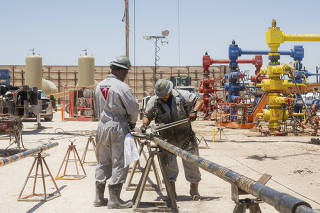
{"x":59,"y":29}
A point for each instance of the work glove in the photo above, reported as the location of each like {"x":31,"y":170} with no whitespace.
{"x":143,"y":128}
{"x":132,"y":126}
{"x":193,"y":116}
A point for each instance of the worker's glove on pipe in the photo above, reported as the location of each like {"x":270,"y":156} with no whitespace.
{"x":143,"y":128}
{"x":132,"y":126}
{"x":193,"y":116}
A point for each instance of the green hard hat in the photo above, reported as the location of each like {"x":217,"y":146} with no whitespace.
{"x":163,"y":87}
{"x":121,"y":61}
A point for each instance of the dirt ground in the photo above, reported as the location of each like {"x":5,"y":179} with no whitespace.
{"x":292,"y":162}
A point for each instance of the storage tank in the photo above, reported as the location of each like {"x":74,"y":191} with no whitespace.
{"x":34,"y":71}
{"x":49,"y":87}
{"x":86,"y":71}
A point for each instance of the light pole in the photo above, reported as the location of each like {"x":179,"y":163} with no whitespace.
{"x":163,"y":35}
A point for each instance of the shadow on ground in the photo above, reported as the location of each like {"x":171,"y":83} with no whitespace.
{"x":264,"y":157}
{"x":261,"y":157}
{"x":182,"y":198}
{"x":38,"y":205}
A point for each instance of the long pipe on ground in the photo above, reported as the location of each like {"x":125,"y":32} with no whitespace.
{"x":19,"y":156}
{"x":282,"y":202}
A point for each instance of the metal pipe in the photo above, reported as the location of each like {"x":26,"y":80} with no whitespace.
{"x":304,"y":209}
{"x":280,"y":201}
{"x":220,"y":61}
{"x":264,"y":52}
{"x":172,"y":124}
{"x":301,"y":37}
{"x":246,"y":61}
{"x":160,"y":128}
{"x":227,"y":61}
{"x":19,"y":156}
{"x":255,"y":52}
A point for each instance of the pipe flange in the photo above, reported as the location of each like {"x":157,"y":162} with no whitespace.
{"x":274,"y":58}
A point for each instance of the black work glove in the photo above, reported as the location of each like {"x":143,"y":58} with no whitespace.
{"x":193,"y":116}
{"x":143,"y":128}
{"x":132,"y":126}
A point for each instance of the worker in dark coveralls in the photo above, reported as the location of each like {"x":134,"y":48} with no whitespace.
{"x":170,"y":105}
{"x":117,"y":110}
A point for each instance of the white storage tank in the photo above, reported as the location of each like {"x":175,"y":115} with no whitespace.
{"x":34,"y":71}
{"x":49,"y":87}
{"x":86,"y":71}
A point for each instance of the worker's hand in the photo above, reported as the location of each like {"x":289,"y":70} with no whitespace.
{"x":132,"y":126}
{"x":143,"y":128}
{"x":193,"y":116}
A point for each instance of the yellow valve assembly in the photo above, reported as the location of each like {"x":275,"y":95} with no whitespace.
{"x":275,"y":85}
{"x":275,"y":37}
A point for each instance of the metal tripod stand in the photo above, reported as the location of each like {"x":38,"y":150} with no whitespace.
{"x":171,"y":201}
{"x":39,"y":161}
{"x":136,"y":166}
{"x":248,"y":203}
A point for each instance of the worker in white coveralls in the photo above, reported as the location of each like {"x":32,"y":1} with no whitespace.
{"x":117,"y":110}
{"x":170,"y":105}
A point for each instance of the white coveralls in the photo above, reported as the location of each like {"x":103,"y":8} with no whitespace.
{"x":181,"y":136}
{"x":116,"y":107}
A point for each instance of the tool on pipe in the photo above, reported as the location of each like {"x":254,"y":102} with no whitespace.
{"x":157,"y":128}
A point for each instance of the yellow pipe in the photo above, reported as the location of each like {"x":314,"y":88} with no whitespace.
{"x":298,"y":114}
{"x":275,"y":37}
{"x":301,"y":37}
{"x":213,"y":135}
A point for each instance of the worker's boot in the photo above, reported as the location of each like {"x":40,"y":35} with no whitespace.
{"x":173,"y":187}
{"x":100,"y":200}
{"x":194,"y":191}
{"x":114,"y":200}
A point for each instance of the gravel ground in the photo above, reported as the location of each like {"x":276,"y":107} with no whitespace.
{"x":292,"y":162}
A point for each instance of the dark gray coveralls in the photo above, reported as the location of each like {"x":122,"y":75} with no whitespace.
{"x":181,"y":136}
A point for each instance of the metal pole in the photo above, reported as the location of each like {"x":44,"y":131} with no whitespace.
{"x":156,"y":58}
{"x":280,"y":201}
{"x":134,"y":48}
{"x":179,"y":42}
{"x":19,"y":156}
{"x":317,"y":71}
{"x":127,"y":26}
